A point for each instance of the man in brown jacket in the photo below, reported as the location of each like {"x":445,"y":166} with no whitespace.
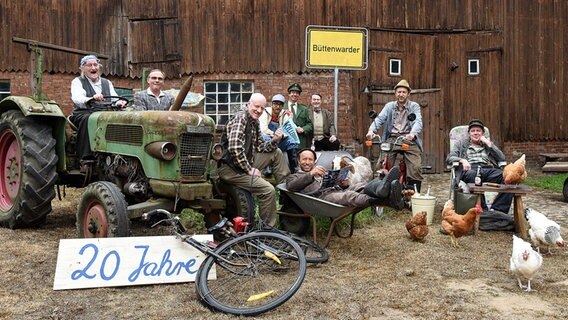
{"x":309,"y":179}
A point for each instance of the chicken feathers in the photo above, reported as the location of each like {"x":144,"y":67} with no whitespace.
{"x":515,"y":173}
{"x":543,"y":231}
{"x":456,"y":225}
{"x":525,"y":262}
{"x":417,"y":226}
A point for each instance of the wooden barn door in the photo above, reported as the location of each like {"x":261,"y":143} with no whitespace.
{"x":430,"y":101}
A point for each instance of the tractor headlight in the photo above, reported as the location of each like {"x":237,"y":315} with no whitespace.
{"x":163,"y":150}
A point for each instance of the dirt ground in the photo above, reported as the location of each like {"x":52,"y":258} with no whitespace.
{"x":379,"y":273}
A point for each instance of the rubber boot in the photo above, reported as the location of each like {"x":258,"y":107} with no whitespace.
{"x":293,"y":159}
{"x":396,"y":200}
{"x":412,"y":183}
{"x":380,"y":188}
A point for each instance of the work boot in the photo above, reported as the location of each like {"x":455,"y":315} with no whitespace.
{"x":380,"y":188}
{"x":292,"y":159}
{"x":395,"y":198}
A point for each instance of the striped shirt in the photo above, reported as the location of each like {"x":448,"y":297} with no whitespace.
{"x":477,"y":155}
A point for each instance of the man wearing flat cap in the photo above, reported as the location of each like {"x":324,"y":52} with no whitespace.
{"x":476,"y":150}
{"x":300,"y":115}
{"x":402,"y":118}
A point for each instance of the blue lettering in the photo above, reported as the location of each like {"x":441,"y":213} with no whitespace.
{"x":166,"y":266}
{"x":116,"y":265}
{"x":83,"y":273}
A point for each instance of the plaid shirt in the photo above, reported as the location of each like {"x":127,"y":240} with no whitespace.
{"x":242,"y":147}
{"x":146,"y":100}
{"x":477,"y":155}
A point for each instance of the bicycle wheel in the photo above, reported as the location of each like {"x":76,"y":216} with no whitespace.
{"x":251,"y":274}
{"x":314,"y":253}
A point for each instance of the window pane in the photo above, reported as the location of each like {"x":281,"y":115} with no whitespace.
{"x":247,"y":87}
{"x":235,"y":87}
{"x":236,"y":97}
{"x":210,"y":109}
{"x":4,"y":86}
{"x":223,"y":109}
{"x":211,"y":87}
{"x":223,"y":98}
{"x":211,"y":97}
{"x":222,"y":87}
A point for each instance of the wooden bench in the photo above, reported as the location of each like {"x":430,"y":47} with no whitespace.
{"x":555,"y":162}
{"x":518,"y":210}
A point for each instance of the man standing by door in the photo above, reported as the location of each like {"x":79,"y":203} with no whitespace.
{"x":300,"y":115}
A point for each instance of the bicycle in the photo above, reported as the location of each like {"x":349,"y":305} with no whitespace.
{"x":247,"y":274}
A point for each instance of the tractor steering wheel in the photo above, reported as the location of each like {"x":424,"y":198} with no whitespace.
{"x":107,"y":104}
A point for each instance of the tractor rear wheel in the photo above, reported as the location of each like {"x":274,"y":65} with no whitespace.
{"x":27,"y":170}
{"x":102,"y":212}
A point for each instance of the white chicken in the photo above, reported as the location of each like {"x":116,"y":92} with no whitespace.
{"x":543,"y":231}
{"x":525,"y":262}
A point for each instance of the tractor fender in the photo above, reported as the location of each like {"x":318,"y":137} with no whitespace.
{"x":44,"y":111}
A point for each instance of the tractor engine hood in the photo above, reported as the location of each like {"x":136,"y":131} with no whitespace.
{"x":141,"y":134}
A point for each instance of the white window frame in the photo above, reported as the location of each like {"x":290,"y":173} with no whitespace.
{"x":392,"y":63}
{"x":470,"y":70}
{"x":224,"y":97}
{"x":4,"y":94}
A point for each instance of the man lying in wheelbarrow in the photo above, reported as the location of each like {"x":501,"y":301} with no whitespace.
{"x":310,"y":180}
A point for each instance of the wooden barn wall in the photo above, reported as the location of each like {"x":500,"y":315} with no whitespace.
{"x":536,"y":81}
{"x":257,"y":36}
{"x":83,"y":25}
{"x":523,"y":82}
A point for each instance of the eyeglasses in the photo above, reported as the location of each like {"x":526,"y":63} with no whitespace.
{"x":156,"y":78}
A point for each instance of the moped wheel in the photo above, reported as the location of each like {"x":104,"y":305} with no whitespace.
{"x":251,"y":274}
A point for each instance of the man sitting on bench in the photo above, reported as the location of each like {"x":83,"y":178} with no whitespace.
{"x":309,"y":180}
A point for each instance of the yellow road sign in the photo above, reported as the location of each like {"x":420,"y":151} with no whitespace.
{"x":336,"y":47}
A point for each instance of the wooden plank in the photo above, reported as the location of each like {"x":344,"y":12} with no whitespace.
{"x":557,"y":166}
{"x":558,"y":155}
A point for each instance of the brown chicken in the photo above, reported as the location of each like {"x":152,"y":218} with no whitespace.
{"x":417,"y":226}
{"x":515,"y":173}
{"x":456,"y":225}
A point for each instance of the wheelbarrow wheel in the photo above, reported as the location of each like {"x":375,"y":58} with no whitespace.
{"x":297,"y":225}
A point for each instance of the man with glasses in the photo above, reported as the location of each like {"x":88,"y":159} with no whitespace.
{"x":153,"y":98}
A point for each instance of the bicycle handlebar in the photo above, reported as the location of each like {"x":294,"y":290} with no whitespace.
{"x":158,"y":214}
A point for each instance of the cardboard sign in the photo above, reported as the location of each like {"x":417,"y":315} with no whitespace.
{"x":111,"y":262}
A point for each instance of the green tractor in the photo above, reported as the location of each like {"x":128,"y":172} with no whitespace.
{"x":143,"y":160}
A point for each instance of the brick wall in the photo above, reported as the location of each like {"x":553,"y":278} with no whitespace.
{"x":57,"y":88}
{"x":532,"y":149}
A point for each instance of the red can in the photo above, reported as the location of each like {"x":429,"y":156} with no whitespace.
{"x":240,"y":224}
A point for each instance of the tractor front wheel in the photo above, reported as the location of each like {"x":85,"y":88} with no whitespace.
{"x":102,"y":212}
